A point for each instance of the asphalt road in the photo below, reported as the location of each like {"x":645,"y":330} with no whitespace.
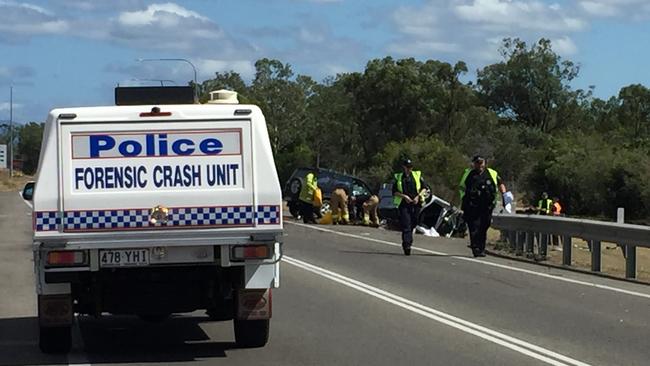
{"x":349,"y":297}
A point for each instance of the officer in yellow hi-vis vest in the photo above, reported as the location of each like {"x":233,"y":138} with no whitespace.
{"x":479,"y":190}
{"x":309,"y":186}
{"x":545,"y":205}
{"x":408,"y":188}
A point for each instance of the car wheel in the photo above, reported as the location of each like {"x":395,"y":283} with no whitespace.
{"x":294,"y":186}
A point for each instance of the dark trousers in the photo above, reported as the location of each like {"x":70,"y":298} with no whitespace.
{"x":307,"y":212}
{"x":478,"y":224}
{"x":408,"y":218}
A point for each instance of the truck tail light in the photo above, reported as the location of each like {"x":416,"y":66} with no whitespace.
{"x":242,"y":252}
{"x":66,"y":258}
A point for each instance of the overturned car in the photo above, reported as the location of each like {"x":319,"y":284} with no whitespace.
{"x":436,"y":213}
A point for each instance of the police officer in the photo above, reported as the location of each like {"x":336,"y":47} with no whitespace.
{"x":407,"y":190}
{"x":306,"y":197}
{"x":544,"y":206}
{"x":479,"y":188}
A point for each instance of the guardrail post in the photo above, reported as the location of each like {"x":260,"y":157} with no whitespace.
{"x":630,"y":261}
{"x":629,"y":251}
{"x":521,"y":239}
{"x":530,"y":239}
{"x":566,"y":250}
{"x":543,"y":244}
{"x":595,"y":255}
{"x":512,"y":239}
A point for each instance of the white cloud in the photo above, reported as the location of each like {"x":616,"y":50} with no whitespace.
{"x":599,"y":8}
{"x":23,"y":20}
{"x":168,"y":15}
{"x":564,"y":46}
{"x":520,"y":14}
{"x":472,"y":30}
{"x":167,"y":27}
{"x":637,"y":9}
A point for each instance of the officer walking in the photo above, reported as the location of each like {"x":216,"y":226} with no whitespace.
{"x":479,"y":188}
{"x":407,"y":189}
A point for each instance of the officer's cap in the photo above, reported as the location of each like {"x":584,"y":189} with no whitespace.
{"x":407,"y":163}
{"x":477,"y":158}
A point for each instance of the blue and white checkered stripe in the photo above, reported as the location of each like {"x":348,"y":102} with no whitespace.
{"x":211,"y":216}
{"x":105,"y":219}
{"x":268,"y":215}
{"x":47,"y":221}
{"x":139,"y":218}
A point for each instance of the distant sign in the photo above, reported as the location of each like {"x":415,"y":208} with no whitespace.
{"x":3,"y":156}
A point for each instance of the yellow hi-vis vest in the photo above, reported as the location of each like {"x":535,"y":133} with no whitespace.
{"x":545,"y":207}
{"x":416,"y":174}
{"x":308,"y":188}
{"x":493,"y":175}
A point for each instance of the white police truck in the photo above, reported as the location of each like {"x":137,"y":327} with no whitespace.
{"x":155,"y":206}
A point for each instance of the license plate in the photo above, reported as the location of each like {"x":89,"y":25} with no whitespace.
{"x":124,"y":257}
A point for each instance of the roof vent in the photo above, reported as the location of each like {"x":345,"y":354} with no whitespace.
{"x":223,"y":96}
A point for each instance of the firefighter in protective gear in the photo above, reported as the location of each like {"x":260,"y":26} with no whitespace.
{"x":370,"y":215}
{"x":479,"y":190}
{"x":408,"y":188}
{"x":339,"y":206}
{"x":309,"y":186}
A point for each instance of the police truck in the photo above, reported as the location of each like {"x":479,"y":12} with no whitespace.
{"x":154,"y":206}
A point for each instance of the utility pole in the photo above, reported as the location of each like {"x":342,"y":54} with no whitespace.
{"x":11,"y":131}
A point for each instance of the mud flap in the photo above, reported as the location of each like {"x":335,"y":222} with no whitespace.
{"x":55,"y":310}
{"x":254,"y":304}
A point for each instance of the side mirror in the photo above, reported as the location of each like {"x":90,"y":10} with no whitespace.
{"x":28,"y":191}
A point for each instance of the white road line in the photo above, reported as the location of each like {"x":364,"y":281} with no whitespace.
{"x":484,"y":262}
{"x":515,"y":344}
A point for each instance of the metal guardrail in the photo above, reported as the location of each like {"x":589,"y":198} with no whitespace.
{"x":523,"y":230}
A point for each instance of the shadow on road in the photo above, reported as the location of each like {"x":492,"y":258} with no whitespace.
{"x":114,"y":340}
{"x":400,"y":254}
{"x":19,"y":344}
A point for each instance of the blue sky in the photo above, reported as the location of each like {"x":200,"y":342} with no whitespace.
{"x":73,"y":52}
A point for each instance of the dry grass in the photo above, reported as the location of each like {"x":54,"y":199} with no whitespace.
{"x":15,"y":183}
{"x":612,"y":261}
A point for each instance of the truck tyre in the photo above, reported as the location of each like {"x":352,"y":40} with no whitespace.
{"x":55,"y":339}
{"x":251,"y":333}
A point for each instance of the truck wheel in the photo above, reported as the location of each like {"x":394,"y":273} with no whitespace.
{"x":251,"y":333}
{"x":55,"y":339}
